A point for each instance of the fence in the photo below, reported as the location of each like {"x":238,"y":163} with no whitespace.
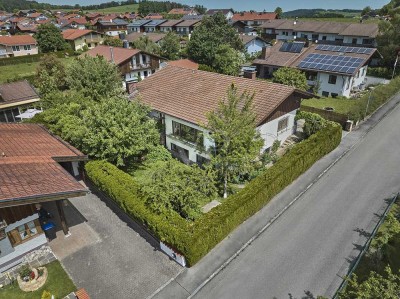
{"x":365,"y":248}
{"x":329,"y":115}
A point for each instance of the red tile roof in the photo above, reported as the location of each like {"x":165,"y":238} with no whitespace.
{"x":190,"y":94}
{"x":120,"y":54}
{"x":73,"y":34}
{"x":16,"y":40}
{"x":254,"y":16}
{"x":184,"y":63}
{"x":28,"y":155}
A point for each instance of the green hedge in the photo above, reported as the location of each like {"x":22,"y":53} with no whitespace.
{"x":195,"y":239}
{"x":381,"y":72}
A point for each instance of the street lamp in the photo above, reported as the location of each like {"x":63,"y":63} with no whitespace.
{"x":369,"y":99}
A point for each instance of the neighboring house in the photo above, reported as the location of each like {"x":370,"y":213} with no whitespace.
{"x":186,"y":27}
{"x":154,"y":16}
{"x":26,"y":28}
{"x":137,"y":26}
{"x":184,"y":63}
{"x":112,"y":27}
{"x":79,"y":38}
{"x":228,"y":13}
{"x":132,"y":63}
{"x":182,"y":97}
{"x":335,"y":33}
{"x":17,"y":45}
{"x":255,"y":19}
{"x":36,"y":168}
{"x":15,"y":98}
{"x":337,"y":70}
{"x":154,"y":37}
{"x":153,"y":25}
{"x":253,"y":43}
{"x":170,"y":25}
{"x":183,"y":11}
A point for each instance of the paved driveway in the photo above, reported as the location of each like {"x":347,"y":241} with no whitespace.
{"x":121,"y":263}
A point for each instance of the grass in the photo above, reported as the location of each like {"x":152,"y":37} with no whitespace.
{"x":341,"y":105}
{"x":58,"y":283}
{"x":120,"y":9}
{"x":21,"y":70}
{"x":343,"y":20}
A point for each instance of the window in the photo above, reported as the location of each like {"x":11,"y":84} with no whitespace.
{"x":325,"y":94}
{"x":324,"y":37}
{"x":145,"y":73}
{"x":144,"y":58}
{"x":187,"y":133}
{"x":27,"y":47}
{"x":332,"y":79}
{"x":334,"y":95}
{"x":179,"y":152}
{"x":283,"y":124}
{"x":15,"y":48}
{"x":200,"y":160}
{"x":24,"y":232}
{"x":354,"y":41}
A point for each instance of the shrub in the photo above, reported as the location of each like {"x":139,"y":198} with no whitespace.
{"x":46,"y":295}
{"x":381,"y":72}
{"x":195,"y":239}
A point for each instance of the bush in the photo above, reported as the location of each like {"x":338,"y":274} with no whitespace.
{"x":381,"y":72}
{"x":195,"y":239}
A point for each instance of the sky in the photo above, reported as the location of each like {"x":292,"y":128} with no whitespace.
{"x":259,"y":5}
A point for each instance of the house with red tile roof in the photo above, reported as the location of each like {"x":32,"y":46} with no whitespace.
{"x":183,"y":113}
{"x":37,"y":168}
{"x":132,"y":63}
{"x":254,"y":18}
{"x":183,"y":11}
{"x":16,"y":98}
{"x":79,"y":38}
{"x":184,"y":63}
{"x":17,"y":45}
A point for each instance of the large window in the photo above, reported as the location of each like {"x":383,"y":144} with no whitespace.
{"x":332,"y":79}
{"x":15,"y":48}
{"x":283,"y":124}
{"x":187,"y":133}
{"x":27,"y":47}
{"x":24,"y":232}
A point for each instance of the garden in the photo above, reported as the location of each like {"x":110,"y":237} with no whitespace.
{"x":52,"y":278}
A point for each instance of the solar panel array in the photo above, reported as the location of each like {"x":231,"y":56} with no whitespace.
{"x":331,"y":63}
{"x":345,"y":49}
{"x":294,"y":47}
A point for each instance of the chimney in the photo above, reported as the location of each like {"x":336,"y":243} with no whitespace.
{"x":112,"y":54}
{"x":265,"y":52}
{"x":125,"y":44}
{"x":249,"y":74}
{"x":131,"y":86}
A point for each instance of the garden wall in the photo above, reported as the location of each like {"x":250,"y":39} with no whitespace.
{"x":195,"y":239}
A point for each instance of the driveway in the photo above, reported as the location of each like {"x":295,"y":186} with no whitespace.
{"x":119,"y":260}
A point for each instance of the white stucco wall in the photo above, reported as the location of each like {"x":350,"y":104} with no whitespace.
{"x":269,"y":131}
{"x":339,"y":88}
{"x":254,"y":46}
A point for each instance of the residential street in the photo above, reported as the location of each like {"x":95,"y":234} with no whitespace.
{"x":311,"y":245}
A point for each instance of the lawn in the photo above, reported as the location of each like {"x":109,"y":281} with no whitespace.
{"x":341,"y":105}
{"x":345,"y":20}
{"x":20,"y":70}
{"x":120,"y":9}
{"x":58,"y":283}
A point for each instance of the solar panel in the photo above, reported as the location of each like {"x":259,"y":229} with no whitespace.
{"x":294,"y":47}
{"x":333,"y":63}
{"x":359,"y":50}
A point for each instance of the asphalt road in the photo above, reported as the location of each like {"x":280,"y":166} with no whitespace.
{"x":312,"y":244}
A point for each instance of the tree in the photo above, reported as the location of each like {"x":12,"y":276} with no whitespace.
{"x":366,"y":11}
{"x":49,"y":38}
{"x":389,"y":41}
{"x":375,"y":286}
{"x":200,"y":9}
{"x":172,"y":185}
{"x":113,"y":42}
{"x":233,"y":129}
{"x":279,"y":12}
{"x":50,"y":75}
{"x":209,"y":35}
{"x":145,"y":44}
{"x":170,"y":46}
{"x":94,"y":77}
{"x":291,"y":77}
{"x":228,"y":60}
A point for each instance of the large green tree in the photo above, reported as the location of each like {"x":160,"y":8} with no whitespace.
{"x":170,"y":47}
{"x":389,"y":41}
{"x":209,"y":35}
{"x":94,"y":77}
{"x":237,"y":142}
{"x":172,"y":185}
{"x":144,"y":43}
{"x":50,"y":75}
{"x":113,"y":42}
{"x":49,"y":38}
{"x":291,"y":77}
{"x":228,"y":60}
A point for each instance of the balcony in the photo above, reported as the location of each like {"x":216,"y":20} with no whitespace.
{"x":140,"y":66}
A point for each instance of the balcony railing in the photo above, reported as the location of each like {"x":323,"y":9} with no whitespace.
{"x":140,"y":66}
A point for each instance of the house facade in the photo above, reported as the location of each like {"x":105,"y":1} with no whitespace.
{"x":255,"y":19}
{"x":335,"y":70}
{"x":137,"y":26}
{"x":81,"y":38}
{"x":16,"y":98}
{"x":17,"y":45}
{"x":112,"y":27}
{"x":153,"y":26}
{"x":170,"y":25}
{"x":334,"y":33}
{"x":227,"y":12}
{"x":183,"y":114}
{"x":48,"y":166}
{"x":186,"y":27}
{"x":252,"y":43}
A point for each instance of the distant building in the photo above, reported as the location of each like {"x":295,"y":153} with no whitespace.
{"x":17,"y":45}
{"x":228,"y":12}
{"x":255,"y":19}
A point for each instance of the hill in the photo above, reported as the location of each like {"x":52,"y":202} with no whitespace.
{"x":120,"y":9}
{"x":322,"y":13}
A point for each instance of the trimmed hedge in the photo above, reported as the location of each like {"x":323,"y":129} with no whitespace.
{"x":195,"y":239}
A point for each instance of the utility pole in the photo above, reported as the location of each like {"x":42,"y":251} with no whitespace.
{"x":395,"y":64}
